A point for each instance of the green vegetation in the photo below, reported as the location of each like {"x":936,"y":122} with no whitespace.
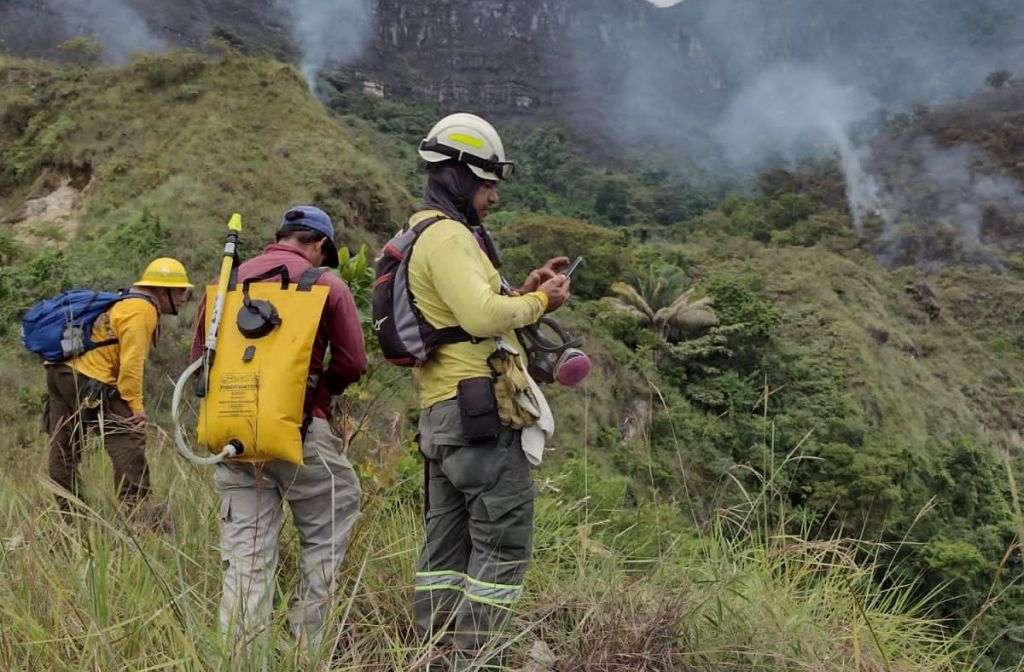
{"x":821,"y":480}
{"x":97,"y":595}
{"x":997,"y":79}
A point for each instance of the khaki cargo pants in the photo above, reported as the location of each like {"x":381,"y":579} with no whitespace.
{"x":324,"y":499}
{"x":479,"y":537}
{"x":69,"y":418}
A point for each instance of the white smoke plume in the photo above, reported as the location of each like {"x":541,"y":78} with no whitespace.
{"x":114,"y":23}
{"x":794,"y":111}
{"x":329,"y":32}
{"x":780,"y":81}
{"x":894,"y":49}
{"x":950,"y":194}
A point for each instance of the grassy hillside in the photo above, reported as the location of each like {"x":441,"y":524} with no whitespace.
{"x":164,"y":150}
{"x":818,"y":483}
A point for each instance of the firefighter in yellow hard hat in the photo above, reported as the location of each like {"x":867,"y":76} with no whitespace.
{"x":101,"y":388}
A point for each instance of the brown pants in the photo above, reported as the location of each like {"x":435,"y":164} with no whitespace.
{"x":78,"y":405}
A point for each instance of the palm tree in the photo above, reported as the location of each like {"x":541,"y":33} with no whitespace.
{"x":660,"y":305}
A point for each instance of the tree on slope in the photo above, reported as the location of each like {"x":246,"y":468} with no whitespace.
{"x":662,"y":305}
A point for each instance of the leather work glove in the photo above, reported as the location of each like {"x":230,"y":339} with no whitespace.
{"x":509,"y":383}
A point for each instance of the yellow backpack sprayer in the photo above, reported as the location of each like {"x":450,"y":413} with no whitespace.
{"x":229,"y":261}
{"x":254,"y":369}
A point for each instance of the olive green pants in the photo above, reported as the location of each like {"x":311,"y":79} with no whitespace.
{"x":78,"y":405}
{"x":479,"y":523}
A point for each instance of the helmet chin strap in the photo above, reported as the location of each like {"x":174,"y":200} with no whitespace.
{"x":170,"y":300}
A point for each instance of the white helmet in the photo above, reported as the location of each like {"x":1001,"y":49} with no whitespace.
{"x":471,"y":140}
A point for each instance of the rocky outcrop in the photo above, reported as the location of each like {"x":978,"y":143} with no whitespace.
{"x":613,"y":66}
{"x":531,"y":62}
{"x":521,"y":62}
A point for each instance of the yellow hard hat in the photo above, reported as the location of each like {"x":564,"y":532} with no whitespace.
{"x":164,"y":272}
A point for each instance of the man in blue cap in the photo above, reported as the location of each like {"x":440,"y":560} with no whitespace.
{"x":324,"y":494}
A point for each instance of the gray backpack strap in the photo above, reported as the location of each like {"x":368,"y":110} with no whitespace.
{"x":309,"y":278}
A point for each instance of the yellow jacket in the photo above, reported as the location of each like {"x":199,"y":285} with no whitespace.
{"x":453,"y":283}
{"x":133,"y":323}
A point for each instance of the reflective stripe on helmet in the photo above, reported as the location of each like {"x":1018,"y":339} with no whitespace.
{"x":501,"y":169}
{"x":470,"y":139}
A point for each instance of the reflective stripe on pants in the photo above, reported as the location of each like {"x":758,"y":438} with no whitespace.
{"x":479,"y":533}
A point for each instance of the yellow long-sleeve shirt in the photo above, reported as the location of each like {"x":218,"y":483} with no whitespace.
{"x":454,"y":284}
{"x":132,"y":322}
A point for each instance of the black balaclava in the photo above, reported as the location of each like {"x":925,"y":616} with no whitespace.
{"x":450,"y":188}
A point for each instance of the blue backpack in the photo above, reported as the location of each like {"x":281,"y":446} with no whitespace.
{"x":60,"y":328}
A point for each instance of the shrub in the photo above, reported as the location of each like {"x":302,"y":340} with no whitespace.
{"x":121,"y":250}
{"x":41,"y":142}
{"x":997,"y":79}
{"x":787,"y":210}
{"x":21,"y":286}
{"x":737,"y":303}
{"x":162,"y":71}
{"x":16,"y":110}
{"x":82,"y":50}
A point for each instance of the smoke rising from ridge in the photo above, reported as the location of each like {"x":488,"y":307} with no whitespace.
{"x":957,"y":198}
{"x":114,"y":23}
{"x":797,"y":78}
{"x":893,"y":49}
{"x":329,"y":31}
{"x":794,"y":111}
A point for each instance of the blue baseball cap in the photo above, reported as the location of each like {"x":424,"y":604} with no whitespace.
{"x":315,"y":219}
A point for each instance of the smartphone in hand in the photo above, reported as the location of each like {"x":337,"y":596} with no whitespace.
{"x":572,"y":267}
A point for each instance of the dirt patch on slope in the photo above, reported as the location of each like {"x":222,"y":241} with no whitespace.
{"x":50,"y":213}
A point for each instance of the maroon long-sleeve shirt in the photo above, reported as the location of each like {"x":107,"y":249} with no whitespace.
{"x":339,"y":327}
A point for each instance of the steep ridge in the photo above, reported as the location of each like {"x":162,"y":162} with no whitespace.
{"x":898,"y":414}
{"x":592,"y":64}
{"x":520,"y":62}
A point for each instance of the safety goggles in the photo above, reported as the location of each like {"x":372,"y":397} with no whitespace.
{"x":503,"y":169}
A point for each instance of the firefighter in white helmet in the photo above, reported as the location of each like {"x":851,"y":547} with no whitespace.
{"x":479,"y":488}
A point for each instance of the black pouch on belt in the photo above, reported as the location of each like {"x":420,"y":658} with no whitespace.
{"x":478,"y":407}
{"x":92,"y":396}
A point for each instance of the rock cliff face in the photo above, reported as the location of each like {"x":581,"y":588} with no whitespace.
{"x":520,"y":61}
{"x":532,"y":61}
{"x":603,"y":68}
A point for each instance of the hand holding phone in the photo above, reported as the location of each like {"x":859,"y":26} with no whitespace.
{"x":572,"y":267}
{"x":557,"y":291}
{"x":539,"y":276}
